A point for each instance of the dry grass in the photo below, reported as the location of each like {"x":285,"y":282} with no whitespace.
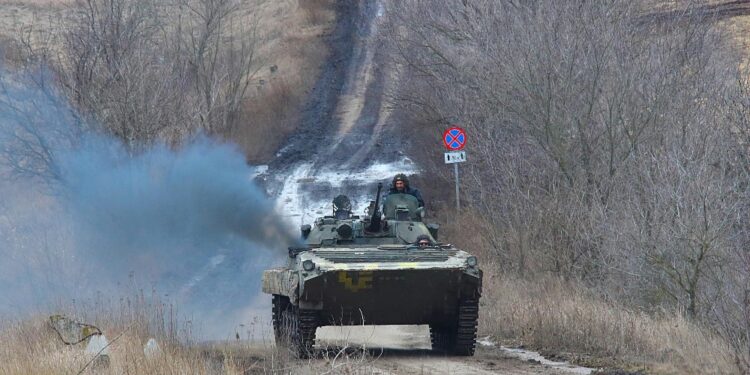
{"x":290,"y":52}
{"x":318,"y":11}
{"x":739,"y":30}
{"x":550,"y":314}
{"x":293,"y":51}
{"x":31,"y":347}
{"x":272,"y":114}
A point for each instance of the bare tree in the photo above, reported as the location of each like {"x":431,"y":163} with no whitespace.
{"x":38,"y":125}
{"x":219,"y":45}
{"x":601,"y":149}
{"x":149,"y":71}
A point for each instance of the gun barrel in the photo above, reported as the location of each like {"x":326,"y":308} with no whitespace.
{"x":375,"y":219}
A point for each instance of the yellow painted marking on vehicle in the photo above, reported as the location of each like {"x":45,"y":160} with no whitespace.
{"x":364,"y":280}
{"x":407,"y":265}
{"x":372,"y":266}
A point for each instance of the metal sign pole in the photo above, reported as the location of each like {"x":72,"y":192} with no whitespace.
{"x":458,"y":199}
{"x":454,"y":139}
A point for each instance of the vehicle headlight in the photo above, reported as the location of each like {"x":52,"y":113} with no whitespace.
{"x":472,"y":261}
{"x":308,"y":265}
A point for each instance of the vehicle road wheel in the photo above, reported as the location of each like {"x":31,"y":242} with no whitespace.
{"x":296,"y":330}
{"x":278,"y":305}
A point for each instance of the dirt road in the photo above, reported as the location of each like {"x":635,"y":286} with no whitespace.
{"x":406,"y":350}
{"x":710,"y":12}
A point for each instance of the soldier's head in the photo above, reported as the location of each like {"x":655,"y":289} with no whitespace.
{"x":424,"y":240}
{"x":342,"y":207}
{"x":400,"y":182}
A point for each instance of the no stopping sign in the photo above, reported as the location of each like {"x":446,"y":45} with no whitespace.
{"x":454,"y":138}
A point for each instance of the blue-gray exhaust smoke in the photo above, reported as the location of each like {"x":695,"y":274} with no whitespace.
{"x":81,"y":214}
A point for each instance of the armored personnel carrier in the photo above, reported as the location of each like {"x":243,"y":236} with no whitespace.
{"x":355,"y":271}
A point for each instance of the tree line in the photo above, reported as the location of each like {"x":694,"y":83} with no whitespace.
{"x":607,"y":147}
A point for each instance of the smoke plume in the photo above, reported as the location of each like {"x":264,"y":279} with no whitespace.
{"x":81,"y":214}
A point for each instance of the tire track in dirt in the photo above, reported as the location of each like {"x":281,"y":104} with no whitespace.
{"x":704,"y":13}
{"x":337,"y":149}
{"x":406,"y":350}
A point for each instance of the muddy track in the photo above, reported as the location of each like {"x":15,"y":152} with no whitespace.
{"x":342,"y":112}
{"x":703,"y":13}
{"x":338,"y":148}
{"x":486,"y":361}
{"x":406,"y":350}
{"x":318,"y":117}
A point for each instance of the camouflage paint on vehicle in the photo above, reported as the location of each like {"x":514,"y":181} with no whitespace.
{"x":352,"y":272}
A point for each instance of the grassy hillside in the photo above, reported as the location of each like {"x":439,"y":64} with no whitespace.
{"x":606,"y":174}
{"x":283,"y":42}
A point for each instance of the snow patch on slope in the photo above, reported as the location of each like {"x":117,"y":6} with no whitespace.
{"x":306,"y":193}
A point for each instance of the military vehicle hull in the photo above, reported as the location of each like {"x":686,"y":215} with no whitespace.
{"x":377,"y":286}
{"x":383,"y":269}
{"x":389,"y":297}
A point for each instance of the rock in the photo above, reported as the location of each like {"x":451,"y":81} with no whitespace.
{"x":151,"y":349}
{"x":98,"y":346}
{"x":70,"y":331}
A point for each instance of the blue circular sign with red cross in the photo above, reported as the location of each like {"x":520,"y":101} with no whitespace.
{"x":454,"y":138}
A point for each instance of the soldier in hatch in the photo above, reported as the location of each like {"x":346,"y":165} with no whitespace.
{"x":424,"y":240}
{"x":401,"y":186}
{"x":342,"y":207}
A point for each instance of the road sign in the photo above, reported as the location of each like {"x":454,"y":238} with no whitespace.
{"x":454,"y":138}
{"x":455,"y":157}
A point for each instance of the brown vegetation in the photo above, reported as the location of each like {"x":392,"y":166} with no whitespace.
{"x":31,"y":346}
{"x":294,"y":50}
{"x":607,"y":155}
{"x":560,"y":316}
{"x":566,"y":318}
{"x":240,"y":70}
